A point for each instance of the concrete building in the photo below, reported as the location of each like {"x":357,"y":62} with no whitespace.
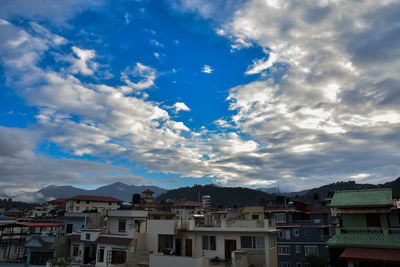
{"x":228,"y":241}
{"x":186,"y":210}
{"x":88,"y":203}
{"x":302,"y":233}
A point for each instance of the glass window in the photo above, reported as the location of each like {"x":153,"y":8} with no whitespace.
{"x":87,"y":236}
{"x":296,"y":232}
{"x":256,"y":242}
{"x":280,"y":217}
{"x":100,"y":256}
{"x":209,"y":242}
{"x":283,"y":250}
{"x":75,"y":251}
{"x":118,"y":257}
{"x":297,"y":248}
{"x":122,"y":226}
{"x":310,"y":250}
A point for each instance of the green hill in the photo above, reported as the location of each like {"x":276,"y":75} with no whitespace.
{"x":220,"y":196}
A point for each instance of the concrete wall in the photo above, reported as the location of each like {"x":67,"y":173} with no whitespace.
{"x":138,"y":259}
{"x":249,"y":258}
{"x":157,"y":260}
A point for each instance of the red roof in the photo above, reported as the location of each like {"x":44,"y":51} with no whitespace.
{"x":114,"y":240}
{"x":41,"y":224}
{"x":148,"y":191}
{"x":96,"y":198}
{"x":58,"y":200}
{"x":371,"y":255}
{"x":187,"y":204}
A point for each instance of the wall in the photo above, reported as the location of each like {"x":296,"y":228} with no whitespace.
{"x":138,"y":259}
{"x":156,"y":227}
{"x":162,"y":261}
{"x":354,"y":220}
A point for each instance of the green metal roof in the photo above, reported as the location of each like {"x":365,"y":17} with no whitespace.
{"x":366,"y":240}
{"x":381,"y":197}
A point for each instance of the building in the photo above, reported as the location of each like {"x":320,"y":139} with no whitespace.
{"x":303,"y":232}
{"x":241,"y":242}
{"x":368,"y":229}
{"x":109,"y":246}
{"x":186,"y":210}
{"x":206,"y":202}
{"x":88,"y":203}
{"x":147,"y":196}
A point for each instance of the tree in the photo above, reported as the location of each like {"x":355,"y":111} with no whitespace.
{"x":313,"y":260}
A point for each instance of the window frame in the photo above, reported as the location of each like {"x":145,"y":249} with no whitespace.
{"x":209,"y":242}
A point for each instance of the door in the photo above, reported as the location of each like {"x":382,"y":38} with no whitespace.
{"x":230,"y":245}
{"x":188,"y":247}
{"x":86,"y":258}
{"x":178,"y":247}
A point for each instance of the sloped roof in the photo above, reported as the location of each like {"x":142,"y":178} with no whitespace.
{"x":381,"y":197}
{"x":365,"y":240}
{"x":148,"y":191}
{"x":96,"y":198}
{"x":58,"y":200}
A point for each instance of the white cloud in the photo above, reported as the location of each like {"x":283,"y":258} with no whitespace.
{"x":207,"y":69}
{"x":261,"y":64}
{"x":146,"y":74}
{"x":83,"y":64}
{"x":180,"y":106}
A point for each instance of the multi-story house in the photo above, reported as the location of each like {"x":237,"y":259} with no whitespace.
{"x":368,"y":229}
{"x":87,"y":203}
{"x":186,"y":210}
{"x":302,"y":233}
{"x":187,"y":243}
{"x":109,"y":244}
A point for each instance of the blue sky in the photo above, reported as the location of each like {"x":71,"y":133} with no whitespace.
{"x":175,"y":93}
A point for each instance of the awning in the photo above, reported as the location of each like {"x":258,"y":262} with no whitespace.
{"x":364,"y":210}
{"x":371,"y":255}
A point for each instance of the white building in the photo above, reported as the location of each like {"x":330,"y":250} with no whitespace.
{"x":87,"y":203}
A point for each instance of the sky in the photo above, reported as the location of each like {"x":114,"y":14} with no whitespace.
{"x":295,"y":94}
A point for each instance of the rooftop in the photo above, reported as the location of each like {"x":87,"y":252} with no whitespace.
{"x":96,"y":198}
{"x":365,"y":240}
{"x":381,"y":197}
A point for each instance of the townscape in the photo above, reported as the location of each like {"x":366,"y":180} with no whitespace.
{"x":352,"y":228}
{"x":199,"y":133}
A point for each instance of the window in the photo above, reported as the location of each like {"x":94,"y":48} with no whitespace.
{"x":109,"y":203}
{"x":69,"y":228}
{"x":299,"y":264}
{"x":75,"y":251}
{"x":78,"y":201}
{"x":40,"y":258}
{"x":287,"y":234}
{"x":256,"y":242}
{"x":254,"y":217}
{"x":297,"y":248}
{"x":373,"y":220}
{"x":87,"y":236}
{"x":116,"y":257}
{"x":100,"y":255}
{"x":280,"y":217}
{"x":272,"y":242}
{"x":122,"y":226}
{"x":310,"y":250}
{"x":283,"y":250}
{"x":165,"y":243}
{"x":296,"y":232}
{"x":77,"y":208}
{"x":285,"y":264}
{"x":281,"y":234}
{"x":87,"y":202}
{"x":209,"y":242}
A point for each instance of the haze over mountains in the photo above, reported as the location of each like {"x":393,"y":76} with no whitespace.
{"x":221,"y":195}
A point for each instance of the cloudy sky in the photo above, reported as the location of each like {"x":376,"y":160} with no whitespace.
{"x":256,"y":93}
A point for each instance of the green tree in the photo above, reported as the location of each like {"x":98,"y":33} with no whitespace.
{"x":313,"y":260}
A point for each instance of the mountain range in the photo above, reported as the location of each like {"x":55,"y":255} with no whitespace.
{"x":221,"y":196}
{"x":118,"y":190}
